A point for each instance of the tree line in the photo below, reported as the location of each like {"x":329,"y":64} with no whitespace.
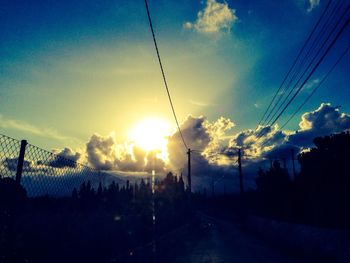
{"x":319,"y":194}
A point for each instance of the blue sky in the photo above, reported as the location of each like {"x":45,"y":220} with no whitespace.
{"x":69,"y":69}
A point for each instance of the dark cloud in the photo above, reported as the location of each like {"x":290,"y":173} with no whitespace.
{"x":132,"y":162}
{"x":194,"y":132}
{"x":202,"y":135}
{"x":65,"y":158}
{"x":205,"y":137}
{"x":11,"y":165}
{"x":282,"y":151}
{"x":154,"y":163}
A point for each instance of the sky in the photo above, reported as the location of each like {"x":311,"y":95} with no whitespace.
{"x":77,"y":73}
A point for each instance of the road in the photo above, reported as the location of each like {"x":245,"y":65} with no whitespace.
{"x":225,"y":242}
{"x":210,"y":240}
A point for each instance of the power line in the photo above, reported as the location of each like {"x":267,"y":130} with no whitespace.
{"x":309,"y":65}
{"x":313,"y":91}
{"x":316,"y":87}
{"x":293,"y":65}
{"x":313,"y":46}
{"x":163,"y":74}
{"x":314,"y":68}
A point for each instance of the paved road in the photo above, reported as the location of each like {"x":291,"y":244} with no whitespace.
{"x":225,"y":242}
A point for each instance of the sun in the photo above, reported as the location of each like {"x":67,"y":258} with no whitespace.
{"x":151,"y":134}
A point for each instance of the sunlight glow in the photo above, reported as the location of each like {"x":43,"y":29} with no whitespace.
{"x":151,"y":134}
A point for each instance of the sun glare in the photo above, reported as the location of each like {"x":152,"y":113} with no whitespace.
{"x":151,"y":134}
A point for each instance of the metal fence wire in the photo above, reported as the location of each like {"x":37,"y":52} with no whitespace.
{"x":43,"y":172}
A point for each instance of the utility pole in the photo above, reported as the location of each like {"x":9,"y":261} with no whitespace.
{"x":294,"y":173}
{"x":189,"y":171}
{"x":240,"y":171}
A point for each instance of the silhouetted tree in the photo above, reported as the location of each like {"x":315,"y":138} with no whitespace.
{"x":75,"y":194}
{"x":11,"y":193}
{"x":323,"y":185}
{"x":99,"y":190}
{"x":274,"y":181}
{"x":273,"y":187}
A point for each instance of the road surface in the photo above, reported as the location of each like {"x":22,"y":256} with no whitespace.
{"x":225,"y":242}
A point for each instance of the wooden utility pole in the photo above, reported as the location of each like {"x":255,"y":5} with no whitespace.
{"x":189,"y":171}
{"x":240,"y":171}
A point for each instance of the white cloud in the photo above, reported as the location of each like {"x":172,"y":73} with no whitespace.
{"x":101,"y":152}
{"x":312,"y":4}
{"x":269,"y":141}
{"x":104,"y":153}
{"x":257,"y":143}
{"x":7,"y":123}
{"x":326,"y":118}
{"x":198,"y":103}
{"x":322,"y":121}
{"x":311,"y":84}
{"x":215,"y":17}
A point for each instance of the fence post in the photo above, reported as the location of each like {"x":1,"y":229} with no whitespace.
{"x":21,"y":161}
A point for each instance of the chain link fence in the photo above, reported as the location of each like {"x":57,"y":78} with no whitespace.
{"x":42,"y":172}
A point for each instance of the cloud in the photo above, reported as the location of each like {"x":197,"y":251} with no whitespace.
{"x":101,"y":152}
{"x":204,"y":137}
{"x":154,"y":163}
{"x":312,"y":4}
{"x":132,"y":162}
{"x":11,"y":164}
{"x":65,"y":158}
{"x":29,"y":166}
{"x":201,"y":135}
{"x":325,"y":118}
{"x":214,"y":18}
{"x":322,"y":121}
{"x":193,"y":131}
{"x":104,"y":153}
{"x":217,"y":132}
{"x":311,"y":84}
{"x":208,"y":137}
{"x":198,"y":103}
{"x":270,"y":142}
{"x":7,"y":123}
{"x":259,"y":142}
